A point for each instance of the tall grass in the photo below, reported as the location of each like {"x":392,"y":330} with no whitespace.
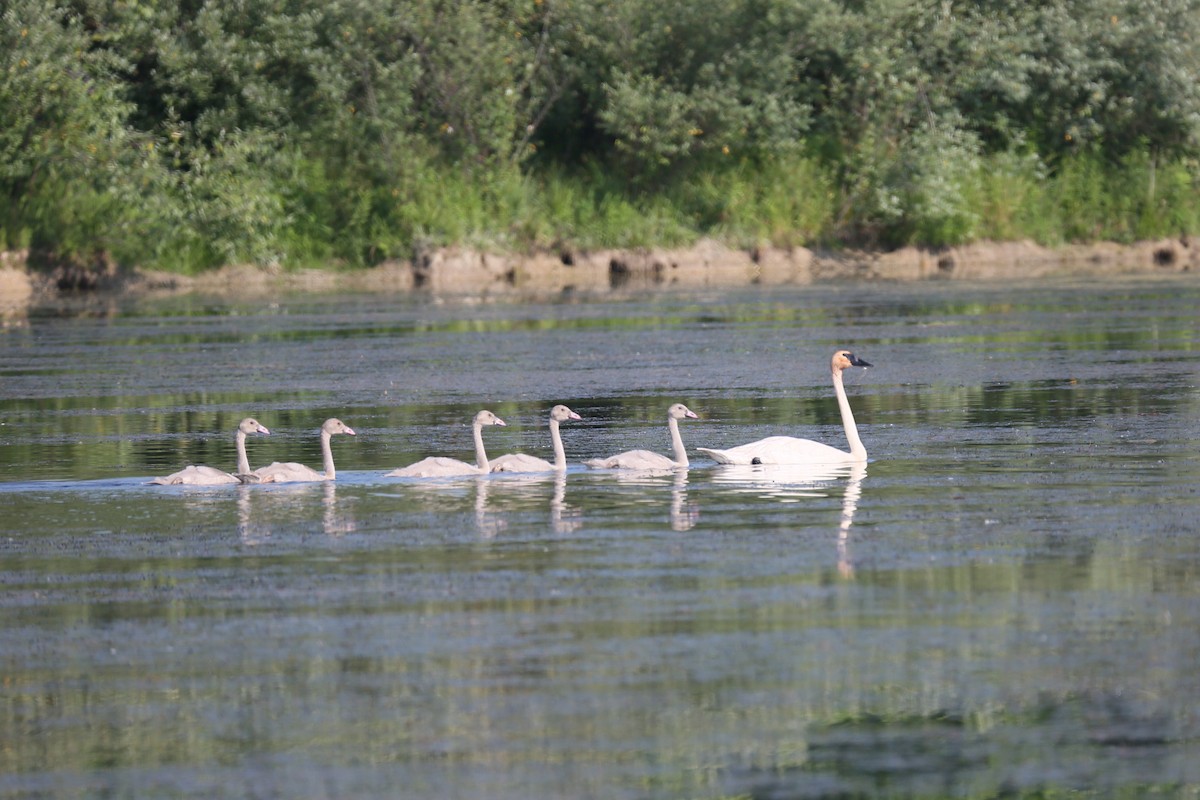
{"x":790,"y":204}
{"x":311,"y":218}
{"x":1086,"y":199}
{"x":794,"y":202}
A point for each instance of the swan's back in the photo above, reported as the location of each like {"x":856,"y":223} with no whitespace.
{"x":435,"y":467}
{"x":632,"y":459}
{"x":520,"y":462}
{"x":196,"y":476}
{"x":780,"y":450}
{"x":286,"y":472}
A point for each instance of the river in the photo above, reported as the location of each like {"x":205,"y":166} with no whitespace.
{"x":1004,"y":600}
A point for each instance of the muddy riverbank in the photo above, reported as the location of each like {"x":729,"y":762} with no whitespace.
{"x":707,"y":264}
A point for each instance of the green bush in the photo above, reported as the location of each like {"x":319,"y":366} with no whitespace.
{"x":188,"y":135}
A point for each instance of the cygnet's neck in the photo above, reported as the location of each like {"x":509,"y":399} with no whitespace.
{"x":680,"y":452}
{"x":481,"y":459}
{"x":327,"y":455}
{"x":560,"y":454}
{"x":243,"y":463}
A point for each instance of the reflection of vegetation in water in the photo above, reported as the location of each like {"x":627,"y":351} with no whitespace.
{"x":456,"y":649}
{"x":921,"y":753}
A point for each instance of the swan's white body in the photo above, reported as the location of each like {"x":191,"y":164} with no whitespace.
{"x":520,"y":462}
{"x":647,"y":459}
{"x":790,"y":450}
{"x":291,"y":472}
{"x":442,"y":467}
{"x":210,"y":476}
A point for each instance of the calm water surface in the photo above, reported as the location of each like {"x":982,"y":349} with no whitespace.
{"x":1005,"y":601}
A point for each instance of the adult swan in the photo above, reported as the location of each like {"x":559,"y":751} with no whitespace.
{"x":789,"y":449}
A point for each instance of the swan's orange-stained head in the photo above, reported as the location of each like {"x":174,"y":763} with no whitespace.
{"x":843,"y":359}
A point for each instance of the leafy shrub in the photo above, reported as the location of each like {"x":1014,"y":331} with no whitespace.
{"x":188,"y":135}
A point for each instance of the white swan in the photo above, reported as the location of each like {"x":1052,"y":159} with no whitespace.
{"x":210,"y":476}
{"x":646,"y":459}
{"x":520,"y":462}
{"x":291,"y":472}
{"x":790,"y":450}
{"x":440,"y":466}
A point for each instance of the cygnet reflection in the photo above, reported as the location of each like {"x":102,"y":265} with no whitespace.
{"x":249,"y":531}
{"x":683,"y":513}
{"x":564,"y":518}
{"x":519,"y":491}
{"x":262,"y":510}
{"x":338,"y":521}
{"x":488,"y":523}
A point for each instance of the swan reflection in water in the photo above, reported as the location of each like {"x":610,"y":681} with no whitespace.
{"x":564,"y":517}
{"x":791,"y":484}
{"x":249,"y":530}
{"x":337,"y":522}
{"x":471,"y":494}
{"x":487,"y":522}
{"x":255,"y":528}
{"x":849,"y":506}
{"x":684,"y":514}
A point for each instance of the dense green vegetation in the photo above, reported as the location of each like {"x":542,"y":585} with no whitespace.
{"x":185,"y":134}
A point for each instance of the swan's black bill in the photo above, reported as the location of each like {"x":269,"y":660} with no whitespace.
{"x":855,"y":361}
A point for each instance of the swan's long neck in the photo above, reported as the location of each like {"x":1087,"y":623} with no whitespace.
{"x":327,"y":455}
{"x":856,"y":446}
{"x":481,"y":459}
{"x":243,"y":462}
{"x":677,"y":447}
{"x":560,"y":455}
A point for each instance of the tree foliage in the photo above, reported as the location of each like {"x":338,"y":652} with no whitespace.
{"x":190,"y":133}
